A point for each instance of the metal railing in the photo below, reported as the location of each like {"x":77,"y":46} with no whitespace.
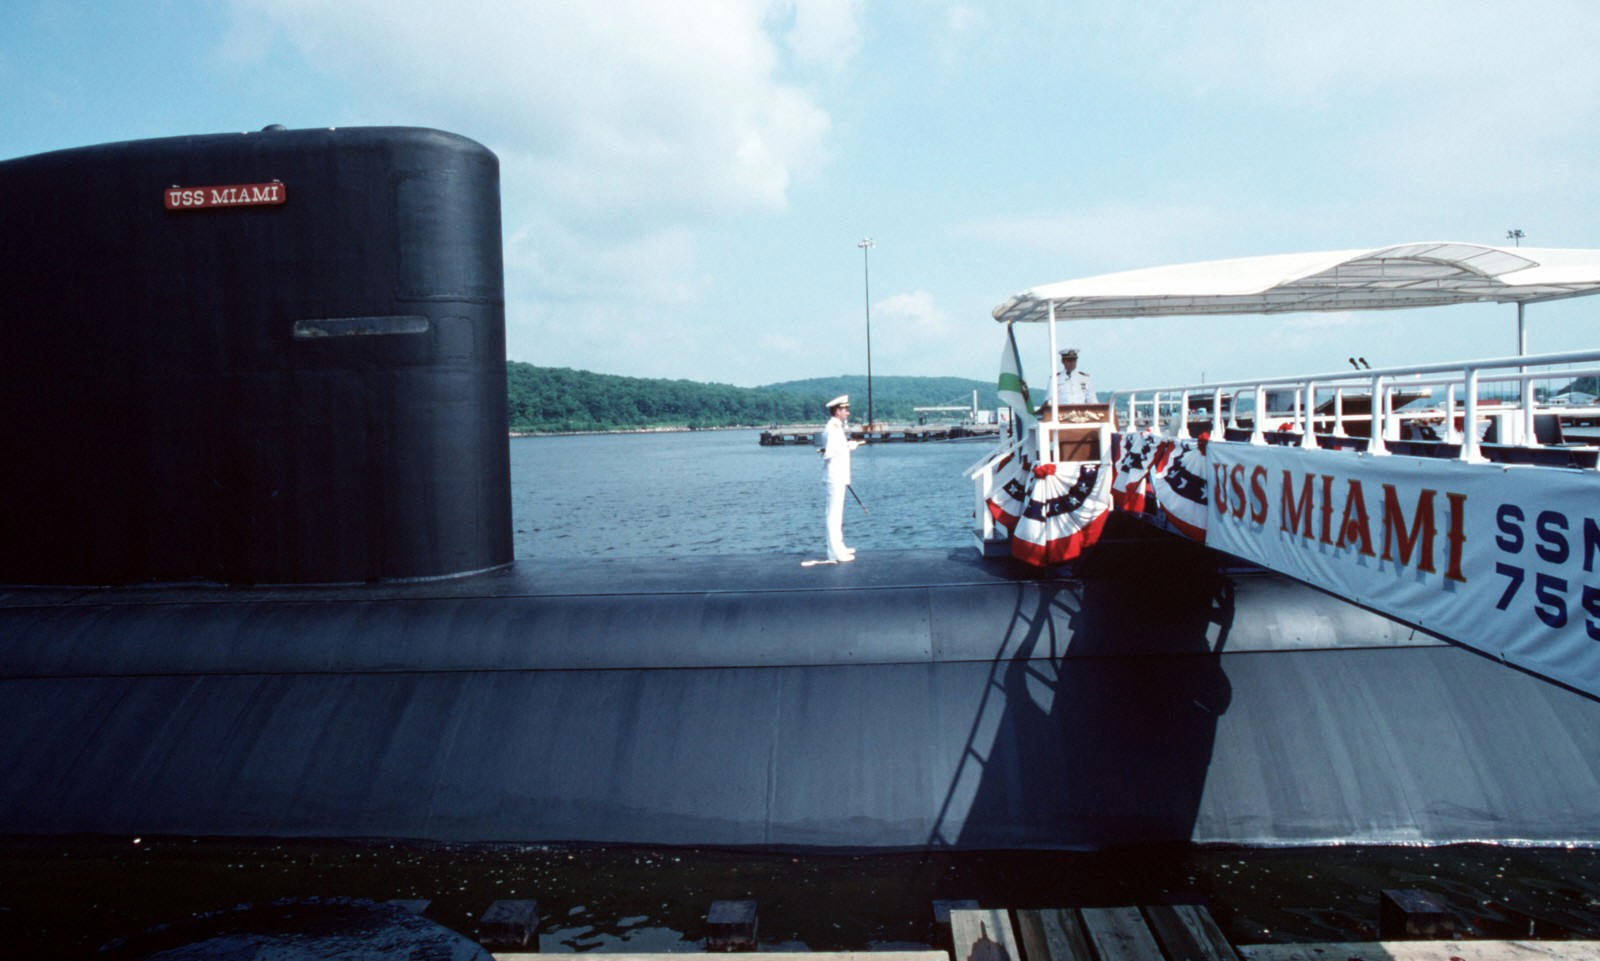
{"x":1320,"y":410}
{"x":982,"y":475}
{"x":1420,"y":409}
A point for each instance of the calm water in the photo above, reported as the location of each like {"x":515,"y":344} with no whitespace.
{"x":721,"y":492}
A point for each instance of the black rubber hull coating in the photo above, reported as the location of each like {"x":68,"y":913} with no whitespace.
{"x":304,"y":391}
{"x":908,"y":700}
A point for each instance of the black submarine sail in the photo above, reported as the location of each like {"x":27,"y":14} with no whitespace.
{"x":262,"y":358}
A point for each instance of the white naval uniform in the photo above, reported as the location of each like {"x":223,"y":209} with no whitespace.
{"x":836,"y":471}
{"x":1074,"y":388}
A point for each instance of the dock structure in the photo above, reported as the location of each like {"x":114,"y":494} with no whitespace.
{"x":1187,"y":932}
{"x":805,"y":434}
{"x":1161,"y":932}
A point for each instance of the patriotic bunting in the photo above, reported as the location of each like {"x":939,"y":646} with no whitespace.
{"x":1058,"y":521}
{"x":1010,"y":490}
{"x":1178,"y":479}
{"x":1053,"y":514}
{"x":1135,"y":450}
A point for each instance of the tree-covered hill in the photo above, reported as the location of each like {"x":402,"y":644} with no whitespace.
{"x":894,"y":397}
{"x":555,"y":399}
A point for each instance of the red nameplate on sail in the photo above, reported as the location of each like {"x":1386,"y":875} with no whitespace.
{"x":227,"y":195}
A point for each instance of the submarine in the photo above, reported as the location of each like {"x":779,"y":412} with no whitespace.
{"x":259,"y":582}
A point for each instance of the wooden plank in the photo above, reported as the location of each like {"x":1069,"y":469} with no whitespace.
{"x":763,"y":956}
{"x":1055,"y":934}
{"x":1187,"y":932}
{"x":982,"y":935}
{"x":1425,"y":951}
{"x":1120,"y":934}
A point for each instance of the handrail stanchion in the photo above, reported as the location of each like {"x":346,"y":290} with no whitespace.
{"x":981,"y":489}
{"x":1183,"y":415}
{"x":1378,"y":424}
{"x":1308,"y":427}
{"x":1525,"y":391}
{"x":1338,"y":412}
{"x":1259,"y":417}
{"x":1451,"y":435}
{"x":1469,"y":422}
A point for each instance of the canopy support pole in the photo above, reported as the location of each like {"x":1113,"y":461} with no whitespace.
{"x":1523,"y":393}
{"x":1055,"y":357}
{"x":1046,"y":435}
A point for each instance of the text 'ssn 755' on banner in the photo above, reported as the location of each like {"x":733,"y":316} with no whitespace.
{"x":1503,"y":559}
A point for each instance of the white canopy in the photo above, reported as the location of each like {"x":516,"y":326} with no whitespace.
{"x":1409,"y":275}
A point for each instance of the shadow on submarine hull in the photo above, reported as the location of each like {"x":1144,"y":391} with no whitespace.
{"x":910,"y":700}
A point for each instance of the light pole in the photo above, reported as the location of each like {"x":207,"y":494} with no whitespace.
{"x":1515,"y":235}
{"x":866,"y":282}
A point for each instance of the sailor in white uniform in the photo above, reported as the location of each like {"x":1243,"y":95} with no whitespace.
{"x":836,"y":449}
{"x":1073,"y":385}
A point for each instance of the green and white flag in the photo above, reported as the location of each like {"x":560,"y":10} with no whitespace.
{"x":1013,"y":389}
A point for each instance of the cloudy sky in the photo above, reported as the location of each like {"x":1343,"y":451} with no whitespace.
{"x":685,"y":183}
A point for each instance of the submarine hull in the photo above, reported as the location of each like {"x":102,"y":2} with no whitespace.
{"x":911,"y":700}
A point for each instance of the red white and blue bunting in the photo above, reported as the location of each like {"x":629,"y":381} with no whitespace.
{"x":1130,"y":482}
{"x":1178,"y":480}
{"x":1012,"y":477}
{"x":1051,"y":521}
{"x":1059,"y":520}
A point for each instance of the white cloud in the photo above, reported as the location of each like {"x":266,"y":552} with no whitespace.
{"x":826,"y":32}
{"x":914,"y":335}
{"x":623,"y":111}
{"x":624,"y":128}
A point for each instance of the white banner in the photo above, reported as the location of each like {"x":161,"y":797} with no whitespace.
{"x":1504,"y":559}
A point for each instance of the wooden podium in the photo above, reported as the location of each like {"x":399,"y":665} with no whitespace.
{"x":1078,"y":437}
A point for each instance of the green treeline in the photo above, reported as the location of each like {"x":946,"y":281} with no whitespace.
{"x":556,"y":399}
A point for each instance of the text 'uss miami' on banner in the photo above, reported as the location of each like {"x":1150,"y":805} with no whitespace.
{"x":1501,"y":559}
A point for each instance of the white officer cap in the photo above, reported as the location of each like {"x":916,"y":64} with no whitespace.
{"x":843,"y":400}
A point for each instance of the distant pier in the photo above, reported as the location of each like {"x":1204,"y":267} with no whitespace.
{"x":805,"y":434}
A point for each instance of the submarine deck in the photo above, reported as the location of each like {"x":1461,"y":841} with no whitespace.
{"x":908,"y":700}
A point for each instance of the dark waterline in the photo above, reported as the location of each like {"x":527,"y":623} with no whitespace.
{"x":65,"y":897}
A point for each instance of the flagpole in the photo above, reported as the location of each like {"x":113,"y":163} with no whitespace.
{"x":866,"y":286}
{"x":1055,"y":358}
